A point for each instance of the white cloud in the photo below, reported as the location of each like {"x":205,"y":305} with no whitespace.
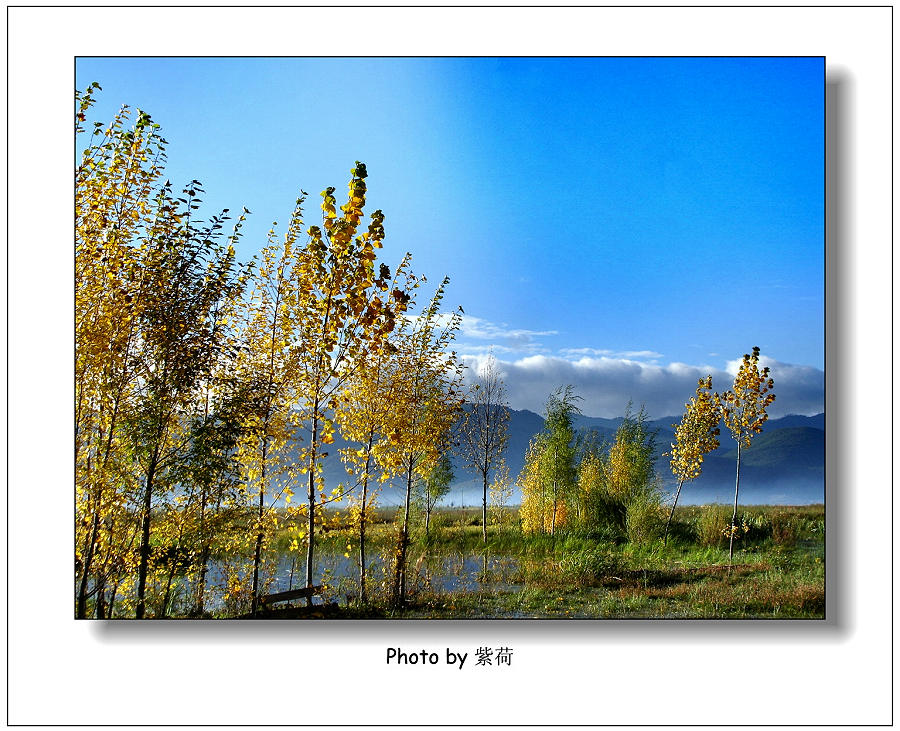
{"x":607,"y":384}
{"x":571,"y":352}
{"x":475,"y":327}
{"x":465,"y":349}
{"x":501,"y":338}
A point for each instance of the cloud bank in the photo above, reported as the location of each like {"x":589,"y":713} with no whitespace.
{"x":607,"y":384}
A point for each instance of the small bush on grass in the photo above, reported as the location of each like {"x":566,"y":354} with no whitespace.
{"x":784,"y":529}
{"x":711,"y":524}
{"x":588,"y":567}
{"x":645,"y":517}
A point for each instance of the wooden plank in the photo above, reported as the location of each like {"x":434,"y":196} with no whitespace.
{"x":286,"y":596}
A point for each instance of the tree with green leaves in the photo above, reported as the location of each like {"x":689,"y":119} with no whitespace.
{"x":436,"y":485}
{"x":213,"y":469}
{"x":632,"y":498}
{"x":590,"y":487}
{"x":560,"y":449}
{"x":549,"y":476}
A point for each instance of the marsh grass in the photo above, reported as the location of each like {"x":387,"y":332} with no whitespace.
{"x":778,"y":568}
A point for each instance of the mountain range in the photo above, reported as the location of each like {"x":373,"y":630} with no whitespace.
{"x":785,"y":464}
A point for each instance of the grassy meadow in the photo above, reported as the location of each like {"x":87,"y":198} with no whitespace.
{"x":778,"y":570}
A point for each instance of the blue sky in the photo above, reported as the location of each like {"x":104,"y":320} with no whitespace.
{"x":625,"y":225}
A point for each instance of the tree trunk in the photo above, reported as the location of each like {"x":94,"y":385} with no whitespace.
{"x":555,"y":488}
{"x":672,"y":512}
{"x":737,"y":480}
{"x":95,"y":527}
{"x":112,"y":600}
{"x":484,"y":475}
{"x":400,"y":580}
{"x":165,"y":601}
{"x":204,"y":557}
{"x":257,"y":554}
{"x":201,"y":580}
{"x":101,"y":599}
{"x":311,"y":498}
{"x":362,"y":523}
{"x":85,"y":571}
{"x":145,"y":538}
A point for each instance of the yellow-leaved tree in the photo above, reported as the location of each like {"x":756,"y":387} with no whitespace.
{"x":363,"y":414}
{"x":695,"y":436}
{"x":744,"y":410}
{"x":189,"y":271}
{"x":114,"y":189}
{"x":148,"y":275}
{"x":426,"y":405}
{"x":346,"y":311}
{"x":548,"y":477}
{"x":533,"y":512}
{"x":268,"y":368}
{"x":590,"y":489}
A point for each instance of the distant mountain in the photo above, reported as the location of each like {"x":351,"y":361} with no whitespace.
{"x":814,"y":422}
{"x":785,"y":464}
{"x":801,"y":448}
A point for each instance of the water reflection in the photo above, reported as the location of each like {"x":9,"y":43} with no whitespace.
{"x":438,"y":574}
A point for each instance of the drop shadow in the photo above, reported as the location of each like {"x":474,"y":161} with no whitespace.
{"x":839,"y":298}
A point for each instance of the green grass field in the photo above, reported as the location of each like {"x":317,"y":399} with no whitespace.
{"x":778,"y":569}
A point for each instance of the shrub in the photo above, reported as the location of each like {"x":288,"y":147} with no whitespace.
{"x":759,"y":526}
{"x":645,"y":517}
{"x":784,"y":529}
{"x":711,"y":524}
{"x":587,"y":567}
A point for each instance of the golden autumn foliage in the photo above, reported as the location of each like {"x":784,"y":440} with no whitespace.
{"x":744,"y":410}
{"x":533,"y":513}
{"x":695,"y":436}
{"x":206,"y":390}
{"x":590,"y":488}
{"x":268,"y":368}
{"x":744,"y":406}
{"x":364,"y":417}
{"x":114,"y":182}
{"x":501,"y":491}
{"x":697,"y":433}
{"x":426,"y":404}
{"x":346,"y":311}
{"x":149,"y":279}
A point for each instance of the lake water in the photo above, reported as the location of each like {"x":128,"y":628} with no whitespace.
{"x":441,"y":574}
